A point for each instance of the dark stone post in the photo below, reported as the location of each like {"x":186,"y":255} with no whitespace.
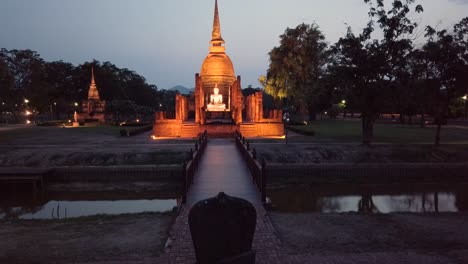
{"x":222,"y":230}
{"x":263,"y":188}
{"x":185,"y":183}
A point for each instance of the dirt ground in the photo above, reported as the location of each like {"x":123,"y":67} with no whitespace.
{"x":439,"y":236}
{"x":94,"y":146}
{"x":135,"y":238}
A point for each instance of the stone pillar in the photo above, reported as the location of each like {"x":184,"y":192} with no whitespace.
{"x":198,"y":98}
{"x":178,"y":107}
{"x":185,"y":108}
{"x":260,"y":106}
{"x":238,"y":100}
{"x":248,"y":108}
{"x":159,"y":115}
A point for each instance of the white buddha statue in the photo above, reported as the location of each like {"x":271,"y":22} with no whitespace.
{"x":216,"y":101}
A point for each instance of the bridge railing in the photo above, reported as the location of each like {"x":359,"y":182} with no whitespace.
{"x":192,"y":163}
{"x":256,"y":168}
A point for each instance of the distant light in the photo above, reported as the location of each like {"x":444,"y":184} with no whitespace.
{"x":69,"y":121}
{"x":76,"y":104}
{"x":343,"y":101}
{"x":3,"y":103}
{"x":55,"y":103}
{"x":154,"y":137}
{"x":138,"y":120}
{"x":464,"y":97}
{"x":326,"y":113}
{"x":28,"y":113}
{"x":26,"y":101}
{"x":28,"y":122}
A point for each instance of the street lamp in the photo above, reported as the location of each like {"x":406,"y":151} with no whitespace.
{"x":26,"y":101}
{"x":464,"y":99}
{"x":342,"y":105}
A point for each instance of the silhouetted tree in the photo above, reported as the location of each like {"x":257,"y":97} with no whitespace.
{"x":296,"y":66}
{"x":372,"y":67}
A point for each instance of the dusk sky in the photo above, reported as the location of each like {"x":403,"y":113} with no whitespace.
{"x":167,"y":40}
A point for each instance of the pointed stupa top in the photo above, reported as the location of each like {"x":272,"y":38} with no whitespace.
{"x":216,"y":39}
{"x":216,"y":35}
{"x":217,"y":68}
{"x":92,"y":75}
{"x":93,"y":91}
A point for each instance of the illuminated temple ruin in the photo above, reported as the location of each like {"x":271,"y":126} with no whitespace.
{"x":217,"y":104}
{"x":93,"y":107}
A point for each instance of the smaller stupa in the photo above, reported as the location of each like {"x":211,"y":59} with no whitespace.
{"x":93,"y":108}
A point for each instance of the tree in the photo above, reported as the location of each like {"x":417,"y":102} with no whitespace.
{"x":372,"y":68}
{"x":296,"y":66}
{"x":25,"y":75}
{"x":27,"y":69}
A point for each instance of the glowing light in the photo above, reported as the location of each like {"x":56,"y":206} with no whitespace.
{"x":26,"y":101}
{"x":154,"y":137}
{"x":343,"y":101}
{"x":28,"y":122}
{"x":464,"y":97}
{"x":28,"y":113}
{"x":76,"y":104}
{"x":138,"y":120}
{"x":326,"y":113}
{"x":69,"y":121}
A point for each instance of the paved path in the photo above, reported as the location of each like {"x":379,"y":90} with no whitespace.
{"x":222,"y":169}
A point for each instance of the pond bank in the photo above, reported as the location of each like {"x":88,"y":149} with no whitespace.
{"x":406,"y":238}
{"x":131,"y":238}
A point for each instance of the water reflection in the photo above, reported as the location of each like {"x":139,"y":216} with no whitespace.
{"x":375,"y":199}
{"x":59,"y":205}
{"x":70,"y":209}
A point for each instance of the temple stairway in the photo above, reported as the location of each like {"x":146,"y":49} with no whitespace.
{"x":189,"y":130}
{"x":248,"y":130}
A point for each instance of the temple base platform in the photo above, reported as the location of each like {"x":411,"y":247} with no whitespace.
{"x":177,"y":128}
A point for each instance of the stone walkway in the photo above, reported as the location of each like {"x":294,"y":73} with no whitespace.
{"x":222,"y":170}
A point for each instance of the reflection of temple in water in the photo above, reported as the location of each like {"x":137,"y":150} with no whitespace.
{"x":217,"y":104}
{"x":93,"y":108}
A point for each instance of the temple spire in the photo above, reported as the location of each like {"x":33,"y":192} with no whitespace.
{"x":92,"y":75}
{"x":93,"y":91}
{"x":216,"y":35}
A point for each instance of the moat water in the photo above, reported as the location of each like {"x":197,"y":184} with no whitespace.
{"x":370,"y":199}
{"x":24,"y":205}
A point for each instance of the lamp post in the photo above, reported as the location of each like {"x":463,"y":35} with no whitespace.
{"x":464,"y":99}
{"x":343,"y":106}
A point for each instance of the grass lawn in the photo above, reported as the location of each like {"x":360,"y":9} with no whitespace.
{"x":350,"y":131}
{"x":58,"y":135}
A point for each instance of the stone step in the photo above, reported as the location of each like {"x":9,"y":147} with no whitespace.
{"x":248,"y":130}
{"x":189,"y":131}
